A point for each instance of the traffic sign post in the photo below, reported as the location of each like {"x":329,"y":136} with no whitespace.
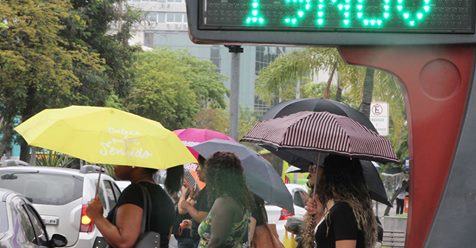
{"x":379,"y":116}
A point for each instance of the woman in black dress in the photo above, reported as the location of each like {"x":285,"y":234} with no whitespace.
{"x":347,"y":218}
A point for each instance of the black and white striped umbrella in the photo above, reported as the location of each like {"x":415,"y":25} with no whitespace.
{"x":309,"y":132}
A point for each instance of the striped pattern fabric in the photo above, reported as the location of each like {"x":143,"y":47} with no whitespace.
{"x":323,"y":132}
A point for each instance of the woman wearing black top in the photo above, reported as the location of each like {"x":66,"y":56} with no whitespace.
{"x":122,"y":227}
{"x":347,"y":219}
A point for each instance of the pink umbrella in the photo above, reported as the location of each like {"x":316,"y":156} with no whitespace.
{"x":194,"y":136}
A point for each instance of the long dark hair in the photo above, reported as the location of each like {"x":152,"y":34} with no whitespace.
{"x":174,"y":178}
{"x":343,"y":181}
{"x":224,"y":175}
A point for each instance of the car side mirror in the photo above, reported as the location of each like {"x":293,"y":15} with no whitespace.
{"x":58,"y":240}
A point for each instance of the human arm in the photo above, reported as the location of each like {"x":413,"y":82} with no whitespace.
{"x":125,"y":232}
{"x":222,"y":214}
{"x":196,"y":214}
{"x":346,"y":243}
{"x":251,"y":229}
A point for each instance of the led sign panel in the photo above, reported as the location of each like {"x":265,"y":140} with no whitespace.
{"x":386,"y":16}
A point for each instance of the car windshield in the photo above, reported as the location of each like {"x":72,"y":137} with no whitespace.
{"x":43,"y":188}
{"x":3,"y":218}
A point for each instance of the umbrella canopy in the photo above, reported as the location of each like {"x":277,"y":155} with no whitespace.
{"x":198,"y":135}
{"x":193,"y":136}
{"x":105,"y":136}
{"x":318,"y":105}
{"x":312,"y":133}
{"x":261,"y":178}
{"x":372,"y":179}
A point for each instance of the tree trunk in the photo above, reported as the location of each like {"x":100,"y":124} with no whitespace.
{"x":24,"y":151}
{"x":6,"y":141}
{"x":298,"y":88}
{"x":367,"y":91}
{"x":338,"y":92}
{"x":327,"y":92}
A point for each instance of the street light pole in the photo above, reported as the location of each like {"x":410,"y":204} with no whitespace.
{"x":234,"y":89}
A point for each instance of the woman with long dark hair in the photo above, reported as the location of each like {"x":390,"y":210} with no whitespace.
{"x":227,"y":222}
{"x":346,"y":218}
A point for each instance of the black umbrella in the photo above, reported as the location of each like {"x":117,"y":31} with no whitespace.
{"x":372,"y":179}
{"x":317,"y":105}
{"x":261,"y":178}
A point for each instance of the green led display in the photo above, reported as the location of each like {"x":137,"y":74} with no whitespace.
{"x":424,"y":16}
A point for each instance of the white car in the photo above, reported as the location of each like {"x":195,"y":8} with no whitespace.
{"x":122,"y":184}
{"x":60,"y":196}
{"x":279,"y":216}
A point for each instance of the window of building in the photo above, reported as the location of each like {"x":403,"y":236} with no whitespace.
{"x":149,"y":39}
{"x":174,"y":17}
{"x":215,"y":56}
{"x":265,"y":55}
{"x":151,"y":16}
{"x":155,"y":17}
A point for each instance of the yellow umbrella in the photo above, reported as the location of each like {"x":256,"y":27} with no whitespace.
{"x":105,"y":136}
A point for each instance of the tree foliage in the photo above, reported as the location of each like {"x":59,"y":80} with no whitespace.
{"x":277,"y":82}
{"x":171,"y":87}
{"x":37,"y":63}
{"x":56,"y":53}
{"x":105,"y":27}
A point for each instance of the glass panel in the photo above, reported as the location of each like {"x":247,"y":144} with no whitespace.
{"x":111,"y":198}
{"x":43,"y":188}
{"x":161,"y":17}
{"x":151,"y":16}
{"x":41,"y":238}
{"x":26,"y":225}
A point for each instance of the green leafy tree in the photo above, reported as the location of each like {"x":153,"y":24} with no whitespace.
{"x":170,"y":87}
{"x":37,"y":63}
{"x":105,"y":27}
{"x":205,"y":81}
{"x":218,"y":120}
{"x":277,"y":82}
{"x":213,"y":119}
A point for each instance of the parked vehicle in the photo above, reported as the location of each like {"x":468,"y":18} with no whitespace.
{"x":122,"y":184}
{"x":279,"y":216}
{"x":61,"y":195}
{"x":21,"y":226}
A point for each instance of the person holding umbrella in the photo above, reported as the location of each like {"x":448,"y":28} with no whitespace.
{"x":122,"y":227}
{"x":343,"y":207}
{"x":104,"y":135}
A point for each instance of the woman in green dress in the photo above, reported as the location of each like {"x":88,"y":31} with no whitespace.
{"x":226,"y":225}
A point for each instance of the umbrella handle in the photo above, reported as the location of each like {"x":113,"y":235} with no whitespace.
{"x":98,"y":183}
